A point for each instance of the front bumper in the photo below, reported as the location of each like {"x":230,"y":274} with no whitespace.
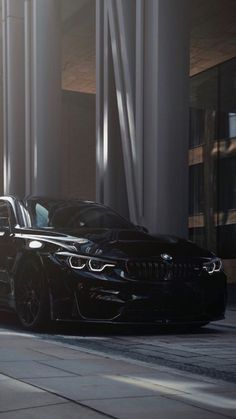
{"x":91,"y":297}
{"x":171,"y":302}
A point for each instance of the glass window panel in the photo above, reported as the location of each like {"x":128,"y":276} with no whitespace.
{"x":232,"y":124}
{"x":203,"y":174}
{"x":196,"y":191}
{"x":227,"y":98}
{"x":212,"y":197}
{"x":227,"y":161}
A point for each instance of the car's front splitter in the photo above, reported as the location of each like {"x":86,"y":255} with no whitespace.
{"x":172,"y":302}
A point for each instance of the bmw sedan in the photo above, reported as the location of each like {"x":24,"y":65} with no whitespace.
{"x":79,"y":260}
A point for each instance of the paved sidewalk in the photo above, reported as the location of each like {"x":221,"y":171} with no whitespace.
{"x":230,"y":317}
{"x":46,"y":379}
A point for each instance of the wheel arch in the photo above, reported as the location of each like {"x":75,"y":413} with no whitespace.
{"x":36,"y":257}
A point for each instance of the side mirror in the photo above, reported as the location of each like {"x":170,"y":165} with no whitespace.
{"x":5,"y":225}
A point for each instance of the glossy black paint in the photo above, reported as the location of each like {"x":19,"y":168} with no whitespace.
{"x":142,"y":288}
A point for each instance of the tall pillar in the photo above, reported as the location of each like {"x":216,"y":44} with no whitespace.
{"x":109,"y":157}
{"x":32,"y":97}
{"x":145,"y":45}
{"x":13,"y":91}
{"x":1,"y":103}
{"x":45,"y":107}
{"x":166,"y":110}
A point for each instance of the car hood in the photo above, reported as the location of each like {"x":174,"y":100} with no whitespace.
{"x":119,"y":244}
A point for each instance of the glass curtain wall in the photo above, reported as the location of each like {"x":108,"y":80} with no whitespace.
{"x":212,"y":159}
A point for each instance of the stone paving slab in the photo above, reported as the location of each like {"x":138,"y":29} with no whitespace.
{"x":230,"y":318}
{"x":96,"y":367}
{"x":151,"y":408}
{"x":91,"y":387}
{"x":209,"y":352}
{"x":16,"y":354}
{"x":184,"y":383}
{"x":32,"y":369}
{"x":191,"y":393}
{"x":201,"y":394}
{"x":16,"y":395}
{"x":57,"y":411}
{"x":57,"y":352}
{"x":217,"y":403}
{"x":99,"y":376}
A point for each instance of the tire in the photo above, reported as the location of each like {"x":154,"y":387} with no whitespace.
{"x":32,"y":296}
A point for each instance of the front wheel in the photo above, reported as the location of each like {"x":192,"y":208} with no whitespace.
{"x":32,"y":296}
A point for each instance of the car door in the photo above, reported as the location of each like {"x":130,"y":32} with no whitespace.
{"x":7,"y":250}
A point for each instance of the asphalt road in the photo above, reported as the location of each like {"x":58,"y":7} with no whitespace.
{"x":209,"y":351}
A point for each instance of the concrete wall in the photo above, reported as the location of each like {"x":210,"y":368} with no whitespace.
{"x":78,"y":142}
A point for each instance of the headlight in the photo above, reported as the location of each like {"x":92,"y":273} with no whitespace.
{"x":214,"y":265}
{"x":96,"y":265}
{"x":77,"y":262}
{"x":82,"y":262}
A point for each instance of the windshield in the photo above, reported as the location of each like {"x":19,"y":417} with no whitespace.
{"x":73,"y":214}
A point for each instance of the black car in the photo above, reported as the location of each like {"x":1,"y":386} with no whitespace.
{"x":79,"y":260}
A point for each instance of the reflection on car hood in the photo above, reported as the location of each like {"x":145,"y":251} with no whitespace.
{"x":118,"y":243}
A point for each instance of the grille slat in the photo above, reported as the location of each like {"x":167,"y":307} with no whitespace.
{"x":149,"y":270}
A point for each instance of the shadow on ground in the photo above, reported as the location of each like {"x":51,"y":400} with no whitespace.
{"x":10,"y":321}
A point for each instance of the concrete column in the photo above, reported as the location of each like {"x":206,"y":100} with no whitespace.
{"x":1,"y":104}
{"x":13,"y":88}
{"x":115,"y":122}
{"x":166,"y":109}
{"x":147,"y":44}
{"x":46,"y":98}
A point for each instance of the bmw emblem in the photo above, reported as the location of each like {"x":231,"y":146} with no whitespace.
{"x":166,"y":257}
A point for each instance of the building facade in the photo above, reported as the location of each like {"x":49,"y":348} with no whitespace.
{"x":212,"y":160}
{"x":96,"y":101}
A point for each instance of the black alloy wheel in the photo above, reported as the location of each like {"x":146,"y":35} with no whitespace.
{"x":31,"y":296}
